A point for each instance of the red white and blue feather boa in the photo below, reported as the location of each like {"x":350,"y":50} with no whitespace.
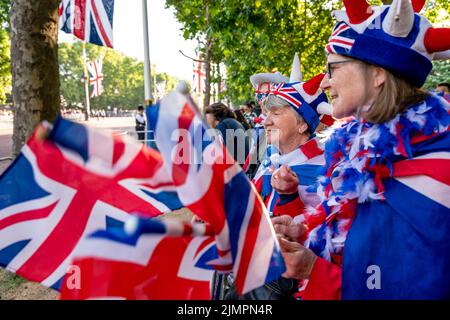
{"x":359,"y":156}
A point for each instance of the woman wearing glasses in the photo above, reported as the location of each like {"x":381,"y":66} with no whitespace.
{"x":382,"y":230}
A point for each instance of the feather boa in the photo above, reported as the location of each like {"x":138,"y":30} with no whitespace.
{"x":359,"y":156}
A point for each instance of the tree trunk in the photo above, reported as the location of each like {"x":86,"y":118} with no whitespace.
{"x":34,"y":65}
{"x":208,"y":48}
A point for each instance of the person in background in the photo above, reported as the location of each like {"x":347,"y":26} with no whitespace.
{"x":140,"y":124}
{"x":234,"y":135}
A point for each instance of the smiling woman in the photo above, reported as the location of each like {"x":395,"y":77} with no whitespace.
{"x":385,"y":208}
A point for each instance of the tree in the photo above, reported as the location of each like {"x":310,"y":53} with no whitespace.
{"x":5,"y":46}
{"x":34,"y":65}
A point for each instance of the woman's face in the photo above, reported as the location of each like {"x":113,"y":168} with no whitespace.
{"x":349,"y":85}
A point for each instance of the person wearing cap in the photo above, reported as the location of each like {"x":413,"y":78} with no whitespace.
{"x":140,"y":123}
{"x":382,"y":228}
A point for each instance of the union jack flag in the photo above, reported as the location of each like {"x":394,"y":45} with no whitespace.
{"x":237,"y":236}
{"x":199,"y":76}
{"x":287,"y":92}
{"x":339,"y":40}
{"x":61,"y":189}
{"x":96,"y":77}
{"x":213,"y":186}
{"x":88,"y":20}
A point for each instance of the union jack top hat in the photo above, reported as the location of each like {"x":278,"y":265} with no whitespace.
{"x":306,"y":98}
{"x":394,"y":37}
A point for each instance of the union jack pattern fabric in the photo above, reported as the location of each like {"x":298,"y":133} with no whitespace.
{"x":306,"y":98}
{"x":61,"y":189}
{"x":88,"y":20}
{"x":214,"y":187}
{"x":338,"y":39}
{"x":159,"y":259}
{"x":307,"y":162}
{"x":96,"y":77}
{"x":199,"y":76}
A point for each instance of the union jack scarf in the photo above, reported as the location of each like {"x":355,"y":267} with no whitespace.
{"x":306,"y":161}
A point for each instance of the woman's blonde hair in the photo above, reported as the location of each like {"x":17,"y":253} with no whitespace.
{"x":395,"y":97}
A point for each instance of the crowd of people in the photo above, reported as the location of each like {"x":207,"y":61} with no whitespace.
{"x":362,"y":208}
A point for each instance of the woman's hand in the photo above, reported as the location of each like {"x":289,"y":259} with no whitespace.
{"x":299,"y":260}
{"x":287,"y":228}
{"x":284,"y":180}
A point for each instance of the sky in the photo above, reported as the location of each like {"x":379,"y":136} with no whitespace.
{"x":164,"y":32}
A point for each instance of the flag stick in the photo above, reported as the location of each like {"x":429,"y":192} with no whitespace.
{"x":86,"y":84}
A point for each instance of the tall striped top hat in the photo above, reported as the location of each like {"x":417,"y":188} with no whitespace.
{"x":394,"y":37}
{"x":306,"y":98}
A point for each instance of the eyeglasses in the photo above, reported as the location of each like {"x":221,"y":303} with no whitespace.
{"x":329,"y":64}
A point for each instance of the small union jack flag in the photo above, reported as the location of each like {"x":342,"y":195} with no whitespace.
{"x":338,"y":39}
{"x":88,"y":20}
{"x":96,"y":80}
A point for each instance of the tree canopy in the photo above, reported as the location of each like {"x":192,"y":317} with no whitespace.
{"x":5,"y":48}
{"x":251,"y":36}
{"x":123,"y":77}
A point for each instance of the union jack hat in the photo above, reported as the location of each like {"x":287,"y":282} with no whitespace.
{"x":394,"y":37}
{"x":306,"y":98}
{"x":259,"y":79}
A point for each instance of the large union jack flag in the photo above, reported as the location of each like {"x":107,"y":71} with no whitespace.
{"x":61,"y":189}
{"x":199,"y":76}
{"x":88,"y":20}
{"x":143,"y":259}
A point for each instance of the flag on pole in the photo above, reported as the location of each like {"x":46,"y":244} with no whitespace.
{"x":161,"y":260}
{"x":88,"y":20}
{"x":213,"y":186}
{"x":96,"y":77}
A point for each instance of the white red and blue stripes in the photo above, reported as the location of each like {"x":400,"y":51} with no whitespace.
{"x":96,"y":77}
